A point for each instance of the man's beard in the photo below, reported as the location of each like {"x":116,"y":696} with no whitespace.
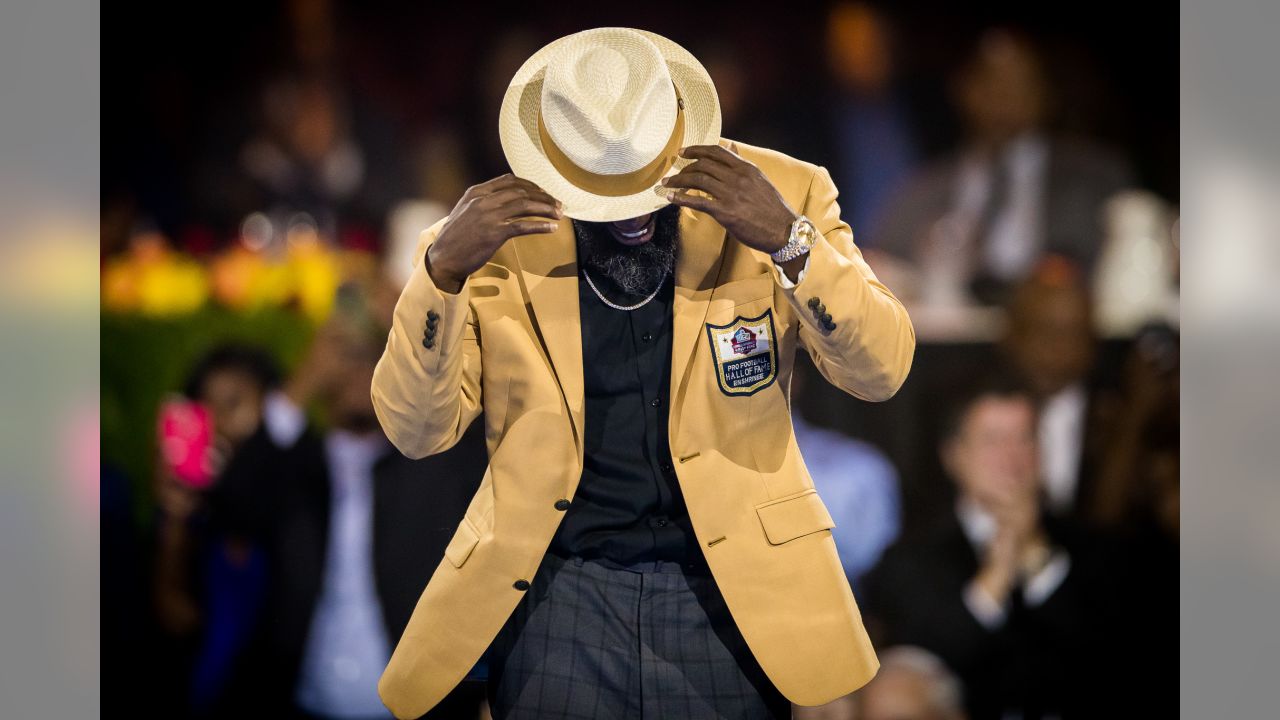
{"x":633,"y":269}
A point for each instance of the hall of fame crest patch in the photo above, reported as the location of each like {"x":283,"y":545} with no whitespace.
{"x":746,"y":357}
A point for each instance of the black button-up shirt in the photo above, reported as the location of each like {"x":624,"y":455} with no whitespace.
{"x":628,"y":506}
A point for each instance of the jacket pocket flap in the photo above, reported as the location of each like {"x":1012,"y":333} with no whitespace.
{"x":788,"y":518}
{"x":463,"y":542}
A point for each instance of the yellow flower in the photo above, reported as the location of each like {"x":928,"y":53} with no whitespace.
{"x":316,"y":274}
{"x":174,"y":285}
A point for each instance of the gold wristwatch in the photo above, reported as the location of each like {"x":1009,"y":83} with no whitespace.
{"x":803,"y":236}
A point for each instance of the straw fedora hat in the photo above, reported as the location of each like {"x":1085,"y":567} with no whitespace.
{"x":597,"y":119}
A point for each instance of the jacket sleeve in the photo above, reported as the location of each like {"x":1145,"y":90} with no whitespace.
{"x":426,"y":386}
{"x":868,"y":344}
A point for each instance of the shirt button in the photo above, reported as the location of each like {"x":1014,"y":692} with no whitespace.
{"x":666,"y":467}
{"x":562,"y":504}
{"x":646,"y":337}
{"x":655,"y":402}
{"x":521,"y":584}
{"x":662,"y":522}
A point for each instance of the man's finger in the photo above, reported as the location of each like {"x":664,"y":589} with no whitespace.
{"x":686,"y":199}
{"x":501,"y":197}
{"x":492,"y":184}
{"x":697,"y":181}
{"x":715,"y":153}
{"x":521,"y":207}
{"x":714,"y":168}
{"x":529,"y":227}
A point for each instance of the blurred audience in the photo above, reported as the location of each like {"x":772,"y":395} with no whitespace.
{"x":1047,"y":588}
{"x":199,"y":573}
{"x":975,"y":222}
{"x":1006,"y":594}
{"x":351,"y":530}
{"x":868,"y":116}
{"x":1051,"y":342}
{"x":1139,"y":488}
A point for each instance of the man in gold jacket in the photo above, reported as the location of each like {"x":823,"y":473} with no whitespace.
{"x":489,"y":320}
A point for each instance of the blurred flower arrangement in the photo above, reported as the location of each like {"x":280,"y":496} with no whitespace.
{"x":151,"y":278}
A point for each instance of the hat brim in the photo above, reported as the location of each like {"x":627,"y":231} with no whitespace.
{"x":518,"y":131}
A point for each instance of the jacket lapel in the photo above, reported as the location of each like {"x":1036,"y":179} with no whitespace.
{"x":549,"y":271}
{"x":701,"y":256}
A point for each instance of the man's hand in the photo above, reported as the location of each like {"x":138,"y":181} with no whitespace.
{"x":742,"y":198}
{"x":487,"y":216}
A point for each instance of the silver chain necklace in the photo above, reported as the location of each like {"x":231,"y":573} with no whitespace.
{"x":615,"y":306}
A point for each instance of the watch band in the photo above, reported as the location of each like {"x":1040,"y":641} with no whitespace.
{"x":803,"y":235}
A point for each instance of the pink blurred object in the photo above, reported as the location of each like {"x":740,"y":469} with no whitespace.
{"x":186,"y":434}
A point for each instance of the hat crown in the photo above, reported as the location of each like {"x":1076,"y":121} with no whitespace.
{"x":608,"y":102}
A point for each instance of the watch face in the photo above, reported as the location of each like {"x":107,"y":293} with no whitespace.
{"x":807,"y":232}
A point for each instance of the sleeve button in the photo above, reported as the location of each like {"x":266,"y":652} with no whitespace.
{"x":813,"y":301}
{"x":826,"y":318}
{"x":432,"y":316}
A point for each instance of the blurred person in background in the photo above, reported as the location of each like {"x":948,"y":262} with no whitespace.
{"x":1138,"y":489}
{"x":312,"y":151}
{"x":193,"y":562}
{"x":1050,"y":340}
{"x":858,"y":484}
{"x":868,"y":117}
{"x":975,"y":222}
{"x":912,"y":684}
{"x":1007,"y":595}
{"x":351,"y":530}
{"x":1137,"y":505}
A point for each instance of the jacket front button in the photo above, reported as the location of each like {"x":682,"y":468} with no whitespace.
{"x":562,"y":504}
{"x":521,"y":584}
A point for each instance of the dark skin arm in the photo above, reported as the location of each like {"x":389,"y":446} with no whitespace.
{"x":742,"y":199}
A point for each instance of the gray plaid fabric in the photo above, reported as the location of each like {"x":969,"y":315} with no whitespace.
{"x":591,"y":640}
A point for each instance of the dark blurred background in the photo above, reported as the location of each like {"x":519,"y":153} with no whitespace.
{"x":1010,"y":171}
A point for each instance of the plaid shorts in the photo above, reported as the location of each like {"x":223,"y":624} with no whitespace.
{"x":593,"y":639}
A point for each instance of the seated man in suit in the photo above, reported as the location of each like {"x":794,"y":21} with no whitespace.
{"x":1004,"y":592}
